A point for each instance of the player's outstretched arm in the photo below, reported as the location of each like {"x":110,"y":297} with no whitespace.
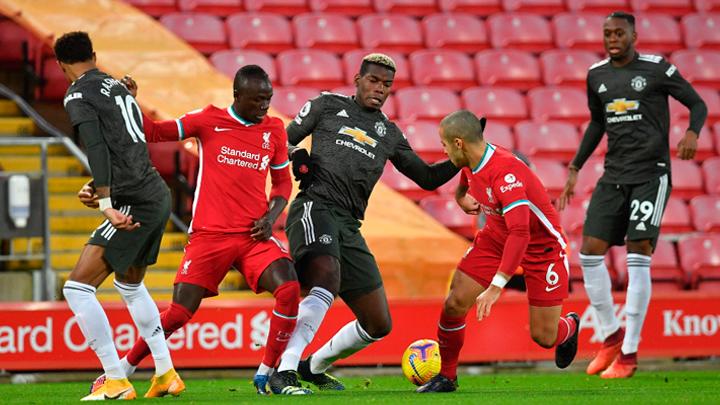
{"x":427,"y":176}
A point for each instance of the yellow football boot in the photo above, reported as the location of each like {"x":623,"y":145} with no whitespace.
{"x":112,"y":389}
{"x":168,"y":383}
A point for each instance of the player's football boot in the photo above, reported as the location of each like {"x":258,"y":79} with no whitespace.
{"x":607,"y":353}
{"x":566,"y":351}
{"x":622,"y":367}
{"x":323,"y":381}
{"x":286,"y":383}
{"x":97,"y":384}
{"x":166,"y":384}
{"x":260,"y":381}
{"x":439,"y":383}
{"x":112,"y":389}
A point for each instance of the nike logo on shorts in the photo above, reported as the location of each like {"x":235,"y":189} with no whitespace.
{"x":218,"y":129}
{"x":549,"y":289}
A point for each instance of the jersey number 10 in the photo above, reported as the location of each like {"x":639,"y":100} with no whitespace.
{"x":128,"y":107}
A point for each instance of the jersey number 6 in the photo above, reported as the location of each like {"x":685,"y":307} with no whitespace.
{"x":128,"y":107}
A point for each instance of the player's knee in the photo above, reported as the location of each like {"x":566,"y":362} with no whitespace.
{"x":321,"y":271}
{"x":455,"y":306}
{"x":288,"y":294}
{"x":642,"y":247}
{"x":378,"y":330}
{"x":174,"y":318}
{"x":545,"y":337}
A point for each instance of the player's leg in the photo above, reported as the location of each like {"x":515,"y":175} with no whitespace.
{"x":605,"y":225}
{"x":314,"y":245}
{"x":79,"y":291}
{"x":451,"y":330}
{"x":647,"y":205}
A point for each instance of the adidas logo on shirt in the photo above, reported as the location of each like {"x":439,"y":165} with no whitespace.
{"x":602,"y":88}
{"x":641,"y":227}
{"x":343,"y":113}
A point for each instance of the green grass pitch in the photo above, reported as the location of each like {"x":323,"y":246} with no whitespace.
{"x":501,"y":388}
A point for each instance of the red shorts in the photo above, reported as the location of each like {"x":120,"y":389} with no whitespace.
{"x":546,"y":275}
{"x":208,"y":257}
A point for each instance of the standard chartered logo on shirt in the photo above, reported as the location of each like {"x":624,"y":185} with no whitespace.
{"x":242,"y":158}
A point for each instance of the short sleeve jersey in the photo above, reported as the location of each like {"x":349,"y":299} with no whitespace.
{"x":235,"y":157}
{"x":502,"y":182}
{"x":632,"y":101}
{"x":96,"y":96}
{"x":351,"y":145}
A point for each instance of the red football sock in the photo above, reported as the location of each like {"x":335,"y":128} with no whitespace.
{"x":566,"y":328}
{"x":282,"y":322}
{"x":171,"y":319}
{"x":451,"y":336}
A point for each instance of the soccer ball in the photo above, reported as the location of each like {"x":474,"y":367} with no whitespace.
{"x":421,"y":361}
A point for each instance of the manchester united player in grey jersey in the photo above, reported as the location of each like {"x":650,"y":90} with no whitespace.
{"x":628,"y":99}
{"x":130,"y":193}
{"x":352,"y":140}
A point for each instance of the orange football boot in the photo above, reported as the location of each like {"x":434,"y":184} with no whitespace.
{"x":606,"y":355}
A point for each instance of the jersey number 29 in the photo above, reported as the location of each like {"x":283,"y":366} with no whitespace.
{"x":128,"y":107}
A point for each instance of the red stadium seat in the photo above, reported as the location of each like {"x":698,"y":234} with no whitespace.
{"x":675,"y":8}
{"x":705,"y":211}
{"x":589,"y":175}
{"x":676,"y":217}
{"x":552,"y":140}
{"x":353,"y":59}
{"x":702,"y":31}
{"x":604,"y":7}
{"x":155,"y":8}
{"x":711,"y":98}
{"x":446,"y":211}
{"x":553,"y":175}
{"x":707,"y":5}
{"x":475,"y":7}
{"x":663,"y":268}
{"x":500,"y":134}
{"x":522,"y":31}
{"x":566,"y":67}
{"x":687,"y":181}
{"x":541,"y":7}
{"x":330,"y":32}
{"x":709,"y":287}
{"x":390,"y":32}
{"x":424,"y":138}
{"x":700,"y":257}
{"x":350,"y":8}
{"x":12,"y":37}
{"x":408,"y":7}
{"x":388,"y":108}
{"x":221,"y":8}
{"x":657,"y":33}
{"x":711,"y":168}
{"x":309,"y":67}
{"x":462,"y":32}
{"x":579,"y":31}
{"x":432,"y":103}
{"x":558,"y":103}
{"x":262,"y":31}
{"x":716,"y":131}
{"x":699,"y":67}
{"x":451,"y":69}
{"x":507,"y":67}
{"x":398,"y":182}
{"x":55,"y":84}
{"x":202,"y":31}
{"x":497,"y":104}
{"x":285,"y":7}
{"x":289,"y":100}
{"x":229,"y":61}
{"x":705,"y":145}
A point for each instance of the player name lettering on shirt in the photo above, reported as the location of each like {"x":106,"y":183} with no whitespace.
{"x":108,"y":83}
{"x":509,"y":187}
{"x":242,"y":158}
{"x":71,"y":97}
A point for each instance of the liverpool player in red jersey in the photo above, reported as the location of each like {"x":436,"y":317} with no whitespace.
{"x":232,"y":218}
{"x":521,"y":230}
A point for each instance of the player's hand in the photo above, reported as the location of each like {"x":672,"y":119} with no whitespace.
{"x":130,"y":85}
{"x":120,"y":221}
{"x":87,"y":196}
{"x":469,"y":204}
{"x":486,"y":300}
{"x":262,"y":229}
{"x":687,"y":145}
{"x":568,"y":192}
{"x":302,"y":167}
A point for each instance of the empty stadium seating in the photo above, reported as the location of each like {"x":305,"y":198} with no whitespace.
{"x":55,"y":84}
{"x":558,"y":103}
{"x":500,"y":134}
{"x":553,"y":140}
{"x":671,"y":7}
{"x":705,"y":211}
{"x":701,"y":31}
{"x":497,"y":104}
{"x":663,"y":268}
{"x":397,"y":181}
{"x":262,"y":31}
{"x":604,"y":7}
{"x":449,"y":69}
{"x":566,"y":66}
{"x":541,"y":7}
{"x":572,"y":217}
{"x":424,"y":139}
{"x":155,"y":8}
{"x":676,"y":217}
{"x":707,"y":5}
{"x":230,"y":60}
{"x":553,"y":175}
{"x":524,"y":31}
{"x":705,"y":147}
{"x":477,"y":7}
{"x":309,"y":67}
{"x":579,"y":31}
{"x":711,"y":168}
{"x":687,"y":180}
{"x":390,"y":32}
{"x":12,"y":37}
{"x":700,"y":67}
{"x":462,"y":32}
{"x":205,"y":32}
{"x":284,"y":7}
{"x":657,"y":33}
{"x":589,"y":175}
{"x":711,"y":98}
{"x":345,"y":7}
{"x":289,"y":100}
{"x":409,"y":7}
{"x":700,"y":257}
{"x":446,"y":211}
{"x":329,"y":32}
{"x":432,"y":103}
{"x":216,"y":7}
{"x":507,"y":67}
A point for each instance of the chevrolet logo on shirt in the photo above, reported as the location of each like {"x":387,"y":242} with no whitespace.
{"x":622,"y":106}
{"x":358,"y":135}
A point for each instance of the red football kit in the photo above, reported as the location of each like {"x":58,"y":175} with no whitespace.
{"x":522,"y":228}
{"x":235,"y":158}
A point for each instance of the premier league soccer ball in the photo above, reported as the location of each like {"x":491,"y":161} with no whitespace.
{"x":421,"y":361}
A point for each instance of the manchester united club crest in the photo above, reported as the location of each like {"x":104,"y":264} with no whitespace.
{"x":380,"y":128}
{"x":638,"y":83}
